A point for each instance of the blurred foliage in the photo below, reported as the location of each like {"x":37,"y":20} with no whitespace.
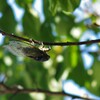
{"x":6,"y":11}
{"x":58,"y":25}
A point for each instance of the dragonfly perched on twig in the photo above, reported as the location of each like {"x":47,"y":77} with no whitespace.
{"x":27,"y":47}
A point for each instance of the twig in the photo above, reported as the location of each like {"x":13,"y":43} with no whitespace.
{"x":8,"y":90}
{"x":50,"y":43}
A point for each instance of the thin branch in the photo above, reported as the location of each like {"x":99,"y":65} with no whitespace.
{"x":4,"y":89}
{"x":49,"y":43}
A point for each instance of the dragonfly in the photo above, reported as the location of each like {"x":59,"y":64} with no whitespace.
{"x":20,"y":48}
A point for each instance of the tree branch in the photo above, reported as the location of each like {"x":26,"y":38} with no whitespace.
{"x":4,"y":89}
{"x":49,"y":43}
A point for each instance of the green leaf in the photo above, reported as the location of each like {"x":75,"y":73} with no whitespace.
{"x":24,"y":3}
{"x":69,"y":5}
{"x":65,"y":65}
{"x":37,"y":73}
{"x":46,"y":32}
{"x":53,"y":5}
{"x":20,"y":97}
{"x":46,"y":9}
{"x":64,"y":23}
{"x":48,"y":97}
{"x":70,"y":61}
{"x":3,"y":5}
{"x":7,"y":20}
{"x":94,"y":86}
{"x":74,"y":56}
{"x":62,"y":5}
{"x":79,"y":74}
{"x":31,"y":23}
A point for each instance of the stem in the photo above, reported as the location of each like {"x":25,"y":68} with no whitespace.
{"x":50,"y":43}
{"x":4,"y":89}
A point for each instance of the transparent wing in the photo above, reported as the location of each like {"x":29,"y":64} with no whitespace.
{"x":15,"y":47}
{"x":23,"y":49}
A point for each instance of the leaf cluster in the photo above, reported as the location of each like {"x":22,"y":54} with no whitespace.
{"x":66,"y":63}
